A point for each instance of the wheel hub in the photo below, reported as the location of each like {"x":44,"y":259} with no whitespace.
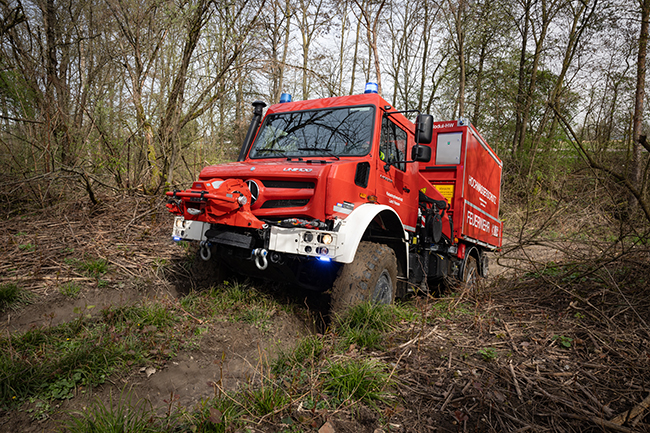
{"x":383,"y":288}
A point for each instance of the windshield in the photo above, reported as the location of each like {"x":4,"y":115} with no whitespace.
{"x":328,"y":132}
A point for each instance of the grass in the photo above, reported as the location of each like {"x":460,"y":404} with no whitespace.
{"x":90,"y":266}
{"x":265,"y":399}
{"x":449,"y":309}
{"x":57,"y":362}
{"x":366,"y":324}
{"x":307,"y":352}
{"x":238,"y":302}
{"x":123,"y":415}
{"x":13,"y":297}
{"x":217,"y":415}
{"x":360,"y":379}
{"x":94,"y":267}
{"x":70,"y":289}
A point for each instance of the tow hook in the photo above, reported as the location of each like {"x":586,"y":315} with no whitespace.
{"x":204,"y":251}
{"x":260,"y":258}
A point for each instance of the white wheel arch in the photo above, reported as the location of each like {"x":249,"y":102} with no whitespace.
{"x":354,"y":226}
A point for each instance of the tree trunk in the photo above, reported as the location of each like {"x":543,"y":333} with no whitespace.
{"x":371,"y":24}
{"x":344,"y":31}
{"x":285,"y":49}
{"x":460,"y":34}
{"x":519,"y":103}
{"x":169,"y":127}
{"x":355,"y":58}
{"x":635,"y":166}
{"x":479,"y":88}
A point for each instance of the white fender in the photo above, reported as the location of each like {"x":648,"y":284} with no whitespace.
{"x":355,"y":224}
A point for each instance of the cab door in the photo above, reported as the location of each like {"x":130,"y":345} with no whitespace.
{"x":397,"y":184}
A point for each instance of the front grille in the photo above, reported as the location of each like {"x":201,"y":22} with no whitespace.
{"x":275,"y":204}
{"x":288,"y":184}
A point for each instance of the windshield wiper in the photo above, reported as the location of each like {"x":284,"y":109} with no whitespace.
{"x":318,"y":149}
{"x":270,"y":150}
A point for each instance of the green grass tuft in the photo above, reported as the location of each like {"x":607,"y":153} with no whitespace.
{"x":94,"y":267}
{"x":266,"y":399}
{"x":70,"y":289}
{"x":357,"y":380}
{"x":364,"y":325}
{"x":13,"y":297}
{"x":307,"y":352}
{"x":123,"y":415}
{"x":218,"y":415}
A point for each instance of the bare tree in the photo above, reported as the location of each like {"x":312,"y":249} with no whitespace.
{"x":312,"y":20}
{"x":535,"y":23}
{"x":457,"y":25}
{"x":637,"y":139}
{"x":276,"y":23}
{"x":370,"y":16}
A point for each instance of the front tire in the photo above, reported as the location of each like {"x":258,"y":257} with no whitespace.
{"x":371,"y":277}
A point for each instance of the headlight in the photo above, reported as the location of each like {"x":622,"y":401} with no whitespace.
{"x":326,"y":239}
{"x":179,"y":223}
{"x":308,"y":237}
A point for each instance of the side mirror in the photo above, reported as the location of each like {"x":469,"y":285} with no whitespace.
{"x":421,"y":153}
{"x":424,"y":129}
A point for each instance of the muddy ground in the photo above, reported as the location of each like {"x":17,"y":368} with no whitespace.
{"x":530,"y":351}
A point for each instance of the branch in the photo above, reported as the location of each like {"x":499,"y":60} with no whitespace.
{"x":594,"y":164}
{"x":15,"y":119}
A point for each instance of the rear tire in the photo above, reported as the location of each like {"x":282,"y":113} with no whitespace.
{"x":371,"y":277}
{"x":470,"y":273}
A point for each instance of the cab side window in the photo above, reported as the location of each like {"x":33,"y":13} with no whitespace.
{"x":393,"y":143}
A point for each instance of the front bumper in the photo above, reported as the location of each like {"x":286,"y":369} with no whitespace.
{"x":321,"y":244}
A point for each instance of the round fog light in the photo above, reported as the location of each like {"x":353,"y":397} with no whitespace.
{"x":326,"y":239}
{"x":308,"y":237}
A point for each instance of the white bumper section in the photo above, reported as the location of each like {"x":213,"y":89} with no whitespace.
{"x":340,"y":246}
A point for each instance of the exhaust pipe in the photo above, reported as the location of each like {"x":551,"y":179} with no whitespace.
{"x":255,"y":123}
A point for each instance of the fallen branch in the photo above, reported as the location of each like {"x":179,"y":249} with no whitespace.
{"x":634,"y":413}
{"x":514,"y":379}
{"x":596,"y":420}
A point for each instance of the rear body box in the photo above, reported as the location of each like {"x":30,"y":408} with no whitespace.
{"x":467,"y":172}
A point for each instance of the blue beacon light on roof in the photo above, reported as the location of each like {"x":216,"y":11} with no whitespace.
{"x":371,"y":88}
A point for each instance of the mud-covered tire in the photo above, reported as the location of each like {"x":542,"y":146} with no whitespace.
{"x":372,"y":276}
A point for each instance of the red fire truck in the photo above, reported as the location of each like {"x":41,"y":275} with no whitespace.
{"x":346,"y":194}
